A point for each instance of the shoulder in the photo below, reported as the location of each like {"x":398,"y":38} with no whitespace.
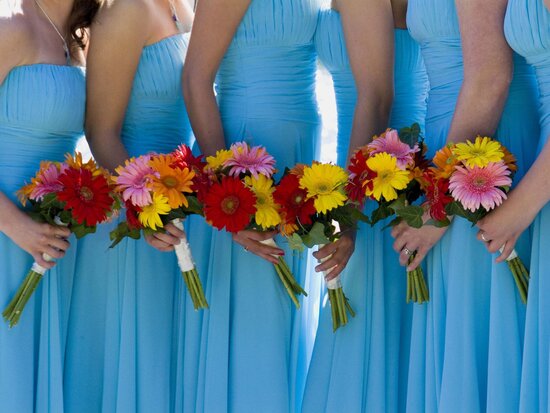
{"x":122,"y":19}
{"x":16,"y":47}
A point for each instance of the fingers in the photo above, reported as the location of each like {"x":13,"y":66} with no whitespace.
{"x":326,"y":250}
{"x":174,"y":231}
{"x":417,"y":260}
{"x":39,"y":259}
{"x":250,"y":241}
{"x":59,"y":243}
{"x":508,"y":249}
{"x":337,"y":256}
{"x":160,"y":243}
{"x":60,"y":232}
{"x":259,"y":235}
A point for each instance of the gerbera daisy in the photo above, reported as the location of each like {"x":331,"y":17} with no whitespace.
{"x":445,"y":162}
{"x":218,"y":161}
{"x":133,"y":178}
{"x":76,"y":162}
{"x":479,"y":153}
{"x":509,"y":159}
{"x":475,"y":187}
{"x":229,"y":204}
{"x":266,"y":215}
{"x":389,"y":177}
{"x":390,"y":143}
{"x":150,"y":214}
{"x":253,"y":160}
{"x":86,"y":196}
{"x":325,"y":184}
{"x":436,"y":196}
{"x":45,"y":182}
{"x":170,"y":182}
{"x":360,"y":176}
{"x":183,"y":158}
{"x":132,"y":216}
{"x":294,"y":203}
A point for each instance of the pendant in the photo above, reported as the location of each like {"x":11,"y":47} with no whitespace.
{"x":67,"y":54}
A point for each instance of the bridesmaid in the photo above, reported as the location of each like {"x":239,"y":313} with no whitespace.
{"x":527,"y":28}
{"x":126,"y":301}
{"x":252,"y":355}
{"x":42,"y":97}
{"x":371,"y":352}
{"x":467,"y":340}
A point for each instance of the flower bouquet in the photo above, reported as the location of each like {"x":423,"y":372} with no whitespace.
{"x":158,"y":189}
{"x":313,"y":209}
{"x":72,"y":193}
{"x":240,"y":197}
{"x":470,"y":179}
{"x":390,"y":171}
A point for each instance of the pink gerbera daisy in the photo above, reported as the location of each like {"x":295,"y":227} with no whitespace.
{"x":132,"y":180}
{"x":47,"y":182}
{"x":475,"y":187}
{"x":389,"y":142}
{"x":254,"y":160}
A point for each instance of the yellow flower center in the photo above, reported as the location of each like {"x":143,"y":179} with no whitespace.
{"x":386,"y":176}
{"x":86,"y":194}
{"x":230,"y":205}
{"x":261,"y":199}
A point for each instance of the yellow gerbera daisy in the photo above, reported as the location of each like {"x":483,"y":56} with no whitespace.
{"x":217,"y":161}
{"x":324,"y":183}
{"x":170,"y":182}
{"x":479,"y":153}
{"x":267,"y":215}
{"x":389,"y":177}
{"x":150,"y":214}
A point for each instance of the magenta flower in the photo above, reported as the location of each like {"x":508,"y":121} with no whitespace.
{"x":254,"y":160}
{"x":475,"y":187}
{"x":389,"y":142}
{"x":47,"y":181}
{"x":132,"y":181}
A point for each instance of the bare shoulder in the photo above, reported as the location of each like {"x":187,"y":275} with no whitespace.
{"x":131,"y":13}
{"x":16,"y":47}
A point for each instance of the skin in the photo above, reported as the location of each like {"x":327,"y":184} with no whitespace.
{"x":28,"y":38}
{"x":368,"y":30}
{"x":117,"y":38}
{"x":215,"y":24}
{"x":487,"y":75}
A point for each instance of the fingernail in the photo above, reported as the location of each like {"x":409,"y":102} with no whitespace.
{"x":281,"y":253}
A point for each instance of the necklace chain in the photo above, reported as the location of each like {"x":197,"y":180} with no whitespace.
{"x":179,"y":25}
{"x":65,"y":46}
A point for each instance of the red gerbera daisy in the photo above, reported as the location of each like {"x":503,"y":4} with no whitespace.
{"x":293,"y":201}
{"x":359,"y":174}
{"x":436,"y":196}
{"x":229,"y":204}
{"x":132,"y":212}
{"x":184,"y":158}
{"x":87,"y":196}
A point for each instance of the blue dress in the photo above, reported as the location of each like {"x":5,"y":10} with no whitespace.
{"x":467,"y":341}
{"x":41,"y":118}
{"x":363,"y":365}
{"x":253,"y":344}
{"x":123,"y":341}
{"x":527,"y":28}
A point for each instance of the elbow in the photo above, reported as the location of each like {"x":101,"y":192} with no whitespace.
{"x":195,"y":82}
{"x":379,"y":102}
{"x":492,"y":85}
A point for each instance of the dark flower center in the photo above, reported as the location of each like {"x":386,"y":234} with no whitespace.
{"x":170,"y":181}
{"x":230,"y":204}
{"x":86,"y":194}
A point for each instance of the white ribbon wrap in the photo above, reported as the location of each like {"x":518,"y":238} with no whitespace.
{"x":183,"y":250}
{"x":271,"y":243}
{"x":512,"y":255}
{"x":335,"y":283}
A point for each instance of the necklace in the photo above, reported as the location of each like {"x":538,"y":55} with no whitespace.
{"x":65,"y":47}
{"x":179,"y":25}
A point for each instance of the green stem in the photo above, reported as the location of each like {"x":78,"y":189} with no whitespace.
{"x":13,"y":311}
{"x":289,"y":290}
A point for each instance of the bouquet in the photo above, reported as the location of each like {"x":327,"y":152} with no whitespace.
{"x":469,"y":180}
{"x":158,"y":189}
{"x":72,"y":193}
{"x":390,"y":171}
{"x":313,"y":208}
{"x":240,"y":196}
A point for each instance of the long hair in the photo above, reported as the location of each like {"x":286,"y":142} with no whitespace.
{"x":81,"y":17}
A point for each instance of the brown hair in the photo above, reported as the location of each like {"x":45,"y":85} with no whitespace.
{"x":81,"y":17}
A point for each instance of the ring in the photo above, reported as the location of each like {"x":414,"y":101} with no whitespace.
{"x":407,"y":252}
{"x":483,"y":237}
{"x":246,"y":249}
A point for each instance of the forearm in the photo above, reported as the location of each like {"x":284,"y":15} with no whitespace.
{"x":107,"y":149}
{"x":9,"y":216}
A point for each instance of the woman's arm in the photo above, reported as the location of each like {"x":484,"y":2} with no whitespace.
{"x":487,"y":75}
{"x":368,"y":30}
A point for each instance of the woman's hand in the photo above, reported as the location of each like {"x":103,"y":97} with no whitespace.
{"x":251,"y":241}
{"x":417,"y":241}
{"x":339,"y":252}
{"x":165,"y":241}
{"x":504,"y":225}
{"x":38,"y":238}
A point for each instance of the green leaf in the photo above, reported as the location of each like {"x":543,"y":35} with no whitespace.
{"x":382,"y":212}
{"x":316,"y":236}
{"x":81,"y":230}
{"x":412,"y":215}
{"x":122,"y":231}
{"x":295,"y":242}
{"x":439,"y":224}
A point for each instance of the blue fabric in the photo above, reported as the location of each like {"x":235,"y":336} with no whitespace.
{"x":41,"y":118}
{"x":527,"y":28}
{"x":467,"y":341}
{"x":129,"y":302}
{"x":363,"y":366}
{"x":253,"y":342}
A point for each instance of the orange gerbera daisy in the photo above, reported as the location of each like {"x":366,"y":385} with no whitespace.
{"x":445,"y":162}
{"x":172,"y":182}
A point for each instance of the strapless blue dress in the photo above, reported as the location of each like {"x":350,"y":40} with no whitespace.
{"x":467,"y":341}
{"x":127,"y":302}
{"x":253,"y":343}
{"x":527,"y":28}
{"x":363,"y":365}
{"x":41,"y":118}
